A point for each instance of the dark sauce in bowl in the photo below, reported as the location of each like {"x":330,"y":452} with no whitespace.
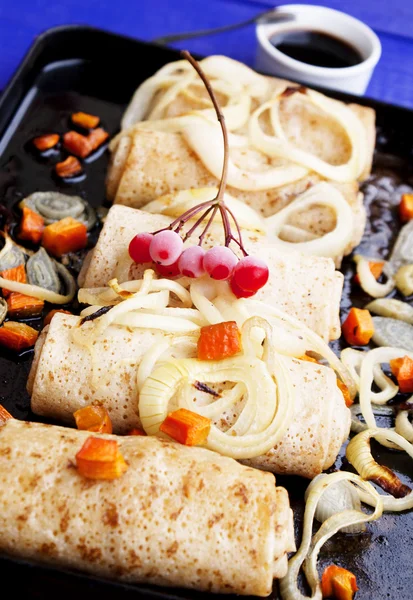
{"x":316,"y":48}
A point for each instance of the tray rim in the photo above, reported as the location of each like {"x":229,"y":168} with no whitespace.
{"x":10,"y":93}
{"x":10,"y":100}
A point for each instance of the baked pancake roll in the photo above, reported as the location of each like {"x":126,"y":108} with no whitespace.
{"x":284,"y":139}
{"x":285,"y":414}
{"x":177,"y":516}
{"x":305,"y":287}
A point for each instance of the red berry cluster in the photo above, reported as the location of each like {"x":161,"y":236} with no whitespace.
{"x":165,"y":249}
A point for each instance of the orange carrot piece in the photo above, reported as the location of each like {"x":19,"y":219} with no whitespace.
{"x":219,"y":341}
{"x":77,"y":144}
{"x":14,"y":274}
{"x":45,"y":142}
{"x":85,"y":120}
{"x":4,"y":415}
{"x":338,"y":583}
{"x":307,"y":358}
{"x":22,"y":306}
{"x":97,"y":137}
{"x":402,"y":369}
{"x":100,"y":458}
{"x":69,"y":167}
{"x":375,"y":267}
{"x":51,"y":314}
{"x":186,"y":427}
{"x":346,"y":394}
{"x":31,"y":226}
{"x":358,"y":327}
{"x":17,"y":336}
{"x":136,"y":431}
{"x":66,"y":235}
{"x":406,"y":208}
{"x":93,"y":418}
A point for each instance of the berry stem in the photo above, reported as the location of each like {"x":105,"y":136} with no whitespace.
{"x":217,"y":203}
{"x":201,"y":218}
{"x":220,"y":115}
{"x":208,"y":225}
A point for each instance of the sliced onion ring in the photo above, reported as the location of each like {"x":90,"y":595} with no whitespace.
{"x":310,"y":547}
{"x":333,"y":243}
{"x":359,"y":455}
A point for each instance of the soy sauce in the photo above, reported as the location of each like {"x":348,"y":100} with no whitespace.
{"x":316,"y":48}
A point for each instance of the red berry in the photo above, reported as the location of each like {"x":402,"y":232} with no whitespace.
{"x":139,"y":248}
{"x":219,"y":262}
{"x":251,"y":274}
{"x":191,"y":261}
{"x":166,"y":247}
{"x":238,"y":292}
{"x":168,"y":270}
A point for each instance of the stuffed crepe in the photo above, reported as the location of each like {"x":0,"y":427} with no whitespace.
{"x":178,"y":516}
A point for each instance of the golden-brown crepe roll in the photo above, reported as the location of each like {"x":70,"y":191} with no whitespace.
{"x":178,"y":516}
{"x":60,"y":383}
{"x":305,"y":287}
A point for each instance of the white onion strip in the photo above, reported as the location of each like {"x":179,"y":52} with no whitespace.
{"x":333,"y":243}
{"x":278,"y":144}
{"x":310,"y":547}
{"x":38,"y":292}
{"x":368,"y":282}
{"x":359,"y":455}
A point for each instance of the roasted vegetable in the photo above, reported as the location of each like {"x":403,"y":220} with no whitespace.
{"x":186,"y":427}
{"x":17,"y":336}
{"x":21,"y":306}
{"x":219,"y":341}
{"x":69,"y":167}
{"x":31,"y":226}
{"x":67,"y":235}
{"x":99,"y":458}
{"x":46,"y":142}
{"x":93,"y":418}
{"x":85,"y":120}
{"x":358,"y":327}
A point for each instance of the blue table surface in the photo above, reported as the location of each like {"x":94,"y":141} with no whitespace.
{"x":392,"y":20}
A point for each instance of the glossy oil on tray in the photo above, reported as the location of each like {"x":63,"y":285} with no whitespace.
{"x":81,"y":69}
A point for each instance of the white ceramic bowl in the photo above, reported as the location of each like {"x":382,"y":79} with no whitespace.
{"x":326,"y":20}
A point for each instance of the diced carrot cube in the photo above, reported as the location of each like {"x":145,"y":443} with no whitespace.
{"x":346,"y":394}
{"x":402,"y":369}
{"x":77,"y":144}
{"x":45,"y":142}
{"x":406,"y":208}
{"x":4,"y":415}
{"x":93,"y":418}
{"x":219,"y":341}
{"x":307,"y":358}
{"x":186,"y":427}
{"x":52,"y":313}
{"x":17,"y":336}
{"x":66,"y":235}
{"x":69,"y":167}
{"x":85,"y":120}
{"x":136,"y":431}
{"x":100,"y":458}
{"x":375,"y":267}
{"x":97,"y":137}
{"x":14,"y":274}
{"x":358,"y":328}
{"x":31,"y":226}
{"x":338,"y":583}
{"x":22,"y":306}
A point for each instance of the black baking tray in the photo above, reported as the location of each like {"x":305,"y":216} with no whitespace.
{"x":81,"y":68}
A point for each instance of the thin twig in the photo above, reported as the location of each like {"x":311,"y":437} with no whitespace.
{"x":208,"y":225}
{"x":201,"y":218}
{"x":221,"y":119}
